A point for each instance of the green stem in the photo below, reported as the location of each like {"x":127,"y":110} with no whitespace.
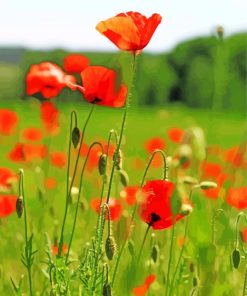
{"x":143,"y":243}
{"x":68,"y":191}
{"x":117,"y":263}
{"x":183,"y":246}
{"x":214,"y":222}
{"x":29,"y":264}
{"x":170,"y":260}
{"x":245,"y":283}
{"x":79,"y":194}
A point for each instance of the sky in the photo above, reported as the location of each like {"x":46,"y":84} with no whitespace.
{"x":45,"y":24}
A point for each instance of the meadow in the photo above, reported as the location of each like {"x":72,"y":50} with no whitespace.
{"x":207,"y":262}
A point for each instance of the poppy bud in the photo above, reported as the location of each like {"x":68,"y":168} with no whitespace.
{"x":124,"y":178}
{"x":192,"y":267}
{"x":75,"y":136}
{"x":207,"y":185}
{"x":195,"y":281}
{"x":131,"y":246}
{"x":19,"y":206}
{"x":106,"y":289}
{"x":236,"y":258}
{"x":117,"y":158}
{"x":155,"y":252}
{"x":186,"y":209}
{"x":102,"y":164}
{"x":110,"y":247}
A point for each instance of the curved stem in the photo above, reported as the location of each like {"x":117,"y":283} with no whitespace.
{"x":68,"y":191}
{"x":79,"y":194}
{"x":143,"y":242}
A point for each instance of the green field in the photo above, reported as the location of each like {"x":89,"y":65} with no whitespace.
{"x":212,"y":261}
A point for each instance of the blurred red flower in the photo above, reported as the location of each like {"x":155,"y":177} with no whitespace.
{"x":237,"y":197}
{"x":27,"y":152}
{"x":130,"y":31}
{"x":48,"y":79}
{"x":17,"y":153}
{"x":7,"y":205}
{"x":115,"y":207}
{"x":6,"y":176}
{"x":55,"y":249}
{"x":154,"y":143}
{"x":235,"y":156}
{"x":58,"y":159}
{"x":75,"y":63}
{"x":49,"y":115}
{"x":50,"y":183}
{"x":155,"y":208}
{"x":129,"y":194}
{"x":243,"y":233}
{"x":100,"y":87}
{"x":8,"y":121}
{"x":176,"y":134}
{"x":32,"y":134}
{"x":142,"y":290}
{"x":210,"y":169}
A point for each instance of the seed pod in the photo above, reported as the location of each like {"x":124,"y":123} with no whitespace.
{"x":102,"y":164}
{"x":192,"y":267}
{"x":195,"y":281}
{"x":106,"y":289}
{"x":19,"y":206}
{"x":75,"y":136}
{"x":208,"y":185}
{"x":236,"y":258}
{"x":124,"y":178}
{"x":118,"y":159}
{"x":131,"y":247}
{"x":155,"y":252}
{"x":110,"y":247}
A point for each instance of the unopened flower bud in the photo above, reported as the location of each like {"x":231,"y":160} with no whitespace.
{"x":207,"y":185}
{"x":19,"y":206}
{"x":155,"y":253}
{"x":110,"y":247}
{"x":124,"y":178}
{"x":190,"y":180}
{"x":236,"y":258}
{"x":186,"y":209}
{"x":106,"y":289}
{"x":118,"y":159}
{"x":75,"y":136}
{"x":102,"y":164}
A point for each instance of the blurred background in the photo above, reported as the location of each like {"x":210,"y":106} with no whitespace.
{"x":197,"y":56}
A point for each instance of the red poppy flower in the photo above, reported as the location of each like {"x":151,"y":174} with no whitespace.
{"x":27,"y":152}
{"x":17,"y":153}
{"x":130,"y":31}
{"x":154,"y":143}
{"x":235,"y":156}
{"x":100,"y":87}
{"x":58,"y":159}
{"x":48,"y":79}
{"x":243,"y":233}
{"x":237,"y":197}
{"x":210,"y":169}
{"x":75,"y":63}
{"x":50,"y":183}
{"x":32,"y":134}
{"x":7,"y":205}
{"x":142,"y":290}
{"x":8,"y":121}
{"x":176,"y":134}
{"x":115,"y":207}
{"x":155,"y":208}
{"x":129,"y":194}
{"x":55,"y":249}
{"x":49,"y":115}
{"x":6,"y":176}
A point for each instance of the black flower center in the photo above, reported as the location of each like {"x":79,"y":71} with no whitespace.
{"x":154,"y":218}
{"x":96,"y":100}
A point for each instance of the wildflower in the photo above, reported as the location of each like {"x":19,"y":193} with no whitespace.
{"x":176,"y":134}
{"x":8,"y":121}
{"x":243,"y":234}
{"x":115,"y":207}
{"x":155,"y":208}
{"x":154,"y":143}
{"x":6,"y":178}
{"x":129,"y":194}
{"x":50,"y":183}
{"x":142,"y":290}
{"x":130,"y":31}
{"x":55,"y":249}
{"x":75,"y":63}
{"x":32,"y":134}
{"x":237,"y":197}
{"x":58,"y":159}
{"x":48,"y":79}
{"x":100,"y":87}
{"x":49,"y":115}
{"x":7,"y":205}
